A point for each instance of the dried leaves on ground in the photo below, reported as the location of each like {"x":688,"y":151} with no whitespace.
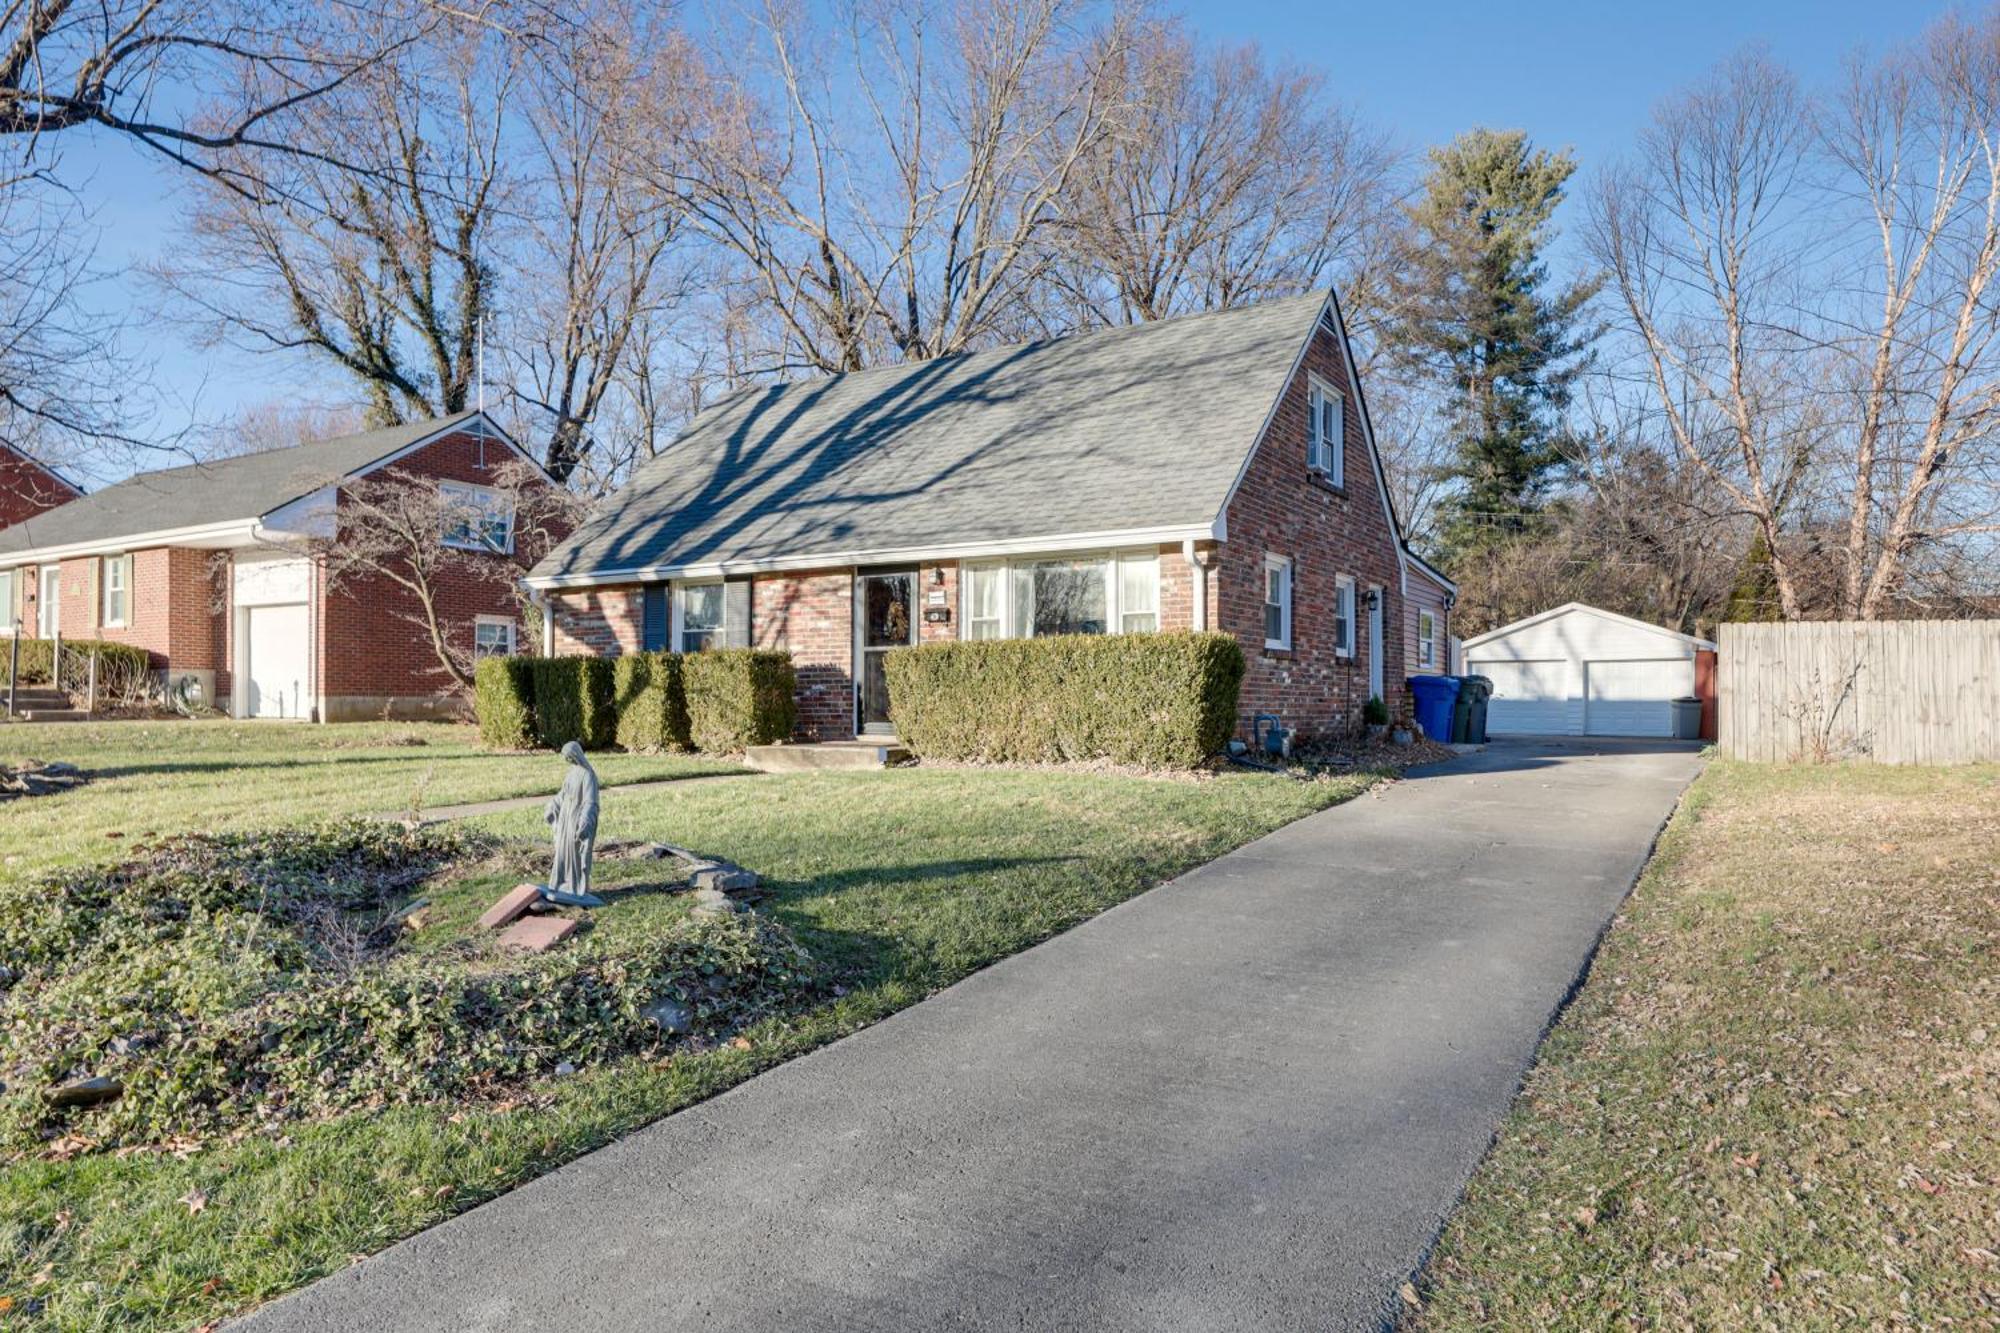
{"x":1776,"y":1103}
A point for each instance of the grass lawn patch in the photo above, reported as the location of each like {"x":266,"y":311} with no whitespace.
{"x":1776,"y":1101}
{"x":149,"y":779}
{"x":896,"y":883}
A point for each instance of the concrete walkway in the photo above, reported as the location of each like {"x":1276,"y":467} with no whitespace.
{"x":438,"y":814}
{"x":1244,"y":1100}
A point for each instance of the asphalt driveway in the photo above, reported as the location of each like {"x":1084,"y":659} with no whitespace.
{"x":1243,"y":1100}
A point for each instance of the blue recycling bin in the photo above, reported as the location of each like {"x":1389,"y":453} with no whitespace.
{"x":1436,"y":696}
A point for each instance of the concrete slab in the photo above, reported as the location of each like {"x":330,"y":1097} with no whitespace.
{"x":1245,"y":1100}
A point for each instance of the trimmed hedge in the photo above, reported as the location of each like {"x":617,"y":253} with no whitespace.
{"x":649,"y":697}
{"x":503,"y":696}
{"x":36,"y":655}
{"x":721,"y":701}
{"x":573,"y":701}
{"x":739,"y":697}
{"x":1160,"y":700}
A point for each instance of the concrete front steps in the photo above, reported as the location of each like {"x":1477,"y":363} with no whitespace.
{"x":825,"y":756}
{"x":42,"y":705}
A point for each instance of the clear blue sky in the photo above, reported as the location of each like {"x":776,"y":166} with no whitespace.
{"x":1572,"y":73}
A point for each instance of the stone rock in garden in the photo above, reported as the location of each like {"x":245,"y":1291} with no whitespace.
{"x":537,"y":934}
{"x":713,"y":903}
{"x":730,"y":879}
{"x":87,"y":1092}
{"x":565,"y":1068}
{"x":512,"y":905}
{"x":671,"y":1017}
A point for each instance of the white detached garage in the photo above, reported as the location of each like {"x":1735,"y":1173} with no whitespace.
{"x":1580,"y":671}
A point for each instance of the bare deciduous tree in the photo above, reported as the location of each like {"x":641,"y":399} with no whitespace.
{"x":1810,"y":291}
{"x":1220,"y":181}
{"x":408,"y":534}
{"x":385,"y":275}
{"x":889,"y":201}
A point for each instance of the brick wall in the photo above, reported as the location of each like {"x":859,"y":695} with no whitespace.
{"x":605,"y":621}
{"x":27,"y":488}
{"x":931,"y":580}
{"x":811,"y":615}
{"x":374,"y":656}
{"x":1284,"y":509}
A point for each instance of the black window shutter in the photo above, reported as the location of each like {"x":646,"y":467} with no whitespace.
{"x":653,"y":626}
{"x":736,"y":613}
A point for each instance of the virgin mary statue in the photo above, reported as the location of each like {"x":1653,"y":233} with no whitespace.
{"x":573,"y":813}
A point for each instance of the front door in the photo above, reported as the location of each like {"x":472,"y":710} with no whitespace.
{"x":886,"y":612}
{"x":49,"y":609}
{"x":1376,"y":660}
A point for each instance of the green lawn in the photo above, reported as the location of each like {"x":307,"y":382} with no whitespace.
{"x":901,"y":882}
{"x":164,"y":777}
{"x":1776,"y":1102}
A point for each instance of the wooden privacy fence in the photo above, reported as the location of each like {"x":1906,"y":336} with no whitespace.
{"x":1896,"y":692}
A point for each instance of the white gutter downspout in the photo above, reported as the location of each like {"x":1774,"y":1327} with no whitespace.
{"x":1200,"y":583}
{"x":540,"y":599}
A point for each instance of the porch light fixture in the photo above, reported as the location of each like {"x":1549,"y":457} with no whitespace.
{"x":1374,"y":598}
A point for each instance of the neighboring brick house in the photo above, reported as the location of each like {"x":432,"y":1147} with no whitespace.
{"x":1216,"y":471}
{"x":29,"y":486}
{"x":210,"y":567}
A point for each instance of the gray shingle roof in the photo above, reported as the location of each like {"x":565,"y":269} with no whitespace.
{"x":1118,"y":430}
{"x":227,"y":490}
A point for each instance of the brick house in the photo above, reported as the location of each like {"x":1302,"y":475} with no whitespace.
{"x":29,"y":486}
{"x":1212,"y":472}
{"x":210,"y":568}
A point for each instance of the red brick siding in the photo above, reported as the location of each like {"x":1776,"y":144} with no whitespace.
{"x":27,"y":488}
{"x":1281,"y":508}
{"x":931,"y":579}
{"x":811,"y":615}
{"x":605,"y":621}
{"x":370,"y":645}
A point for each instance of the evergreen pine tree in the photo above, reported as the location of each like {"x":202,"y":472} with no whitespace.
{"x":1474,"y":311}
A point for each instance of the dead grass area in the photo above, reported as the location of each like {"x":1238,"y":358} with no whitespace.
{"x":1776,"y":1102}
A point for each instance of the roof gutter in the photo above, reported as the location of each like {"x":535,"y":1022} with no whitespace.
{"x":239,"y":529}
{"x":1053,"y":544}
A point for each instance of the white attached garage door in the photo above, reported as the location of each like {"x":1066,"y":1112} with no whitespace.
{"x":279,"y":663}
{"x":1634,"y":698}
{"x":1529,"y":698}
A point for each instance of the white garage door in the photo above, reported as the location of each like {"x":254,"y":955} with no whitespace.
{"x":1529,"y":698}
{"x":1632,"y":698}
{"x":278,"y":663}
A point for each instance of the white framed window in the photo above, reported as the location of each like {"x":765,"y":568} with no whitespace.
{"x":493,"y":636}
{"x":1138,"y":594}
{"x":1343,"y":616}
{"x":477,"y":518}
{"x":9,"y":601}
{"x":115,"y":579}
{"x":1098,"y":593}
{"x":1277,"y":602}
{"x":1326,"y":434}
{"x":1427,"y":638}
{"x":984,"y":607}
{"x":701,"y":616}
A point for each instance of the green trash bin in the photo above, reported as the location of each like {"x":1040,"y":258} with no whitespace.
{"x":1473,"y":692}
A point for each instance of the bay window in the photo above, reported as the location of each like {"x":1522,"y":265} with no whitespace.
{"x":1036,"y":596}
